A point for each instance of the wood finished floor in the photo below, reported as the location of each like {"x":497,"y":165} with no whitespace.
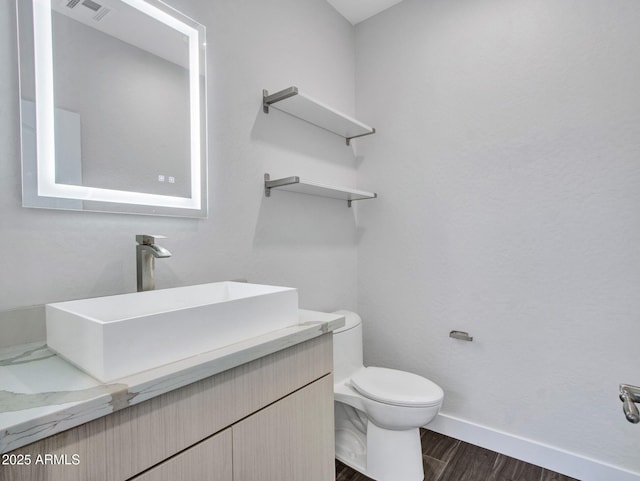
{"x":447,"y":459}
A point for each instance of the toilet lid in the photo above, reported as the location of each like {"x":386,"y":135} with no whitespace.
{"x":399,"y":388}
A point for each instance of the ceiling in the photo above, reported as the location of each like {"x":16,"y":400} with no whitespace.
{"x":358,"y":10}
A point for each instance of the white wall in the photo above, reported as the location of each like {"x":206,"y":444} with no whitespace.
{"x":55,"y":255}
{"x":507,"y":160}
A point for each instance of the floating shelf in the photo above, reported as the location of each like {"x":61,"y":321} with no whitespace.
{"x":300,"y":105}
{"x":296,"y":184}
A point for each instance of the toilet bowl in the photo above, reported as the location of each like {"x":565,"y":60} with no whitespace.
{"x":378,"y":411}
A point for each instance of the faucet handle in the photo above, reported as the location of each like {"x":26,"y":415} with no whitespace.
{"x":148,"y":239}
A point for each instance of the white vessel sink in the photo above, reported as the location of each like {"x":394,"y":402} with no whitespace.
{"x":112,"y":337}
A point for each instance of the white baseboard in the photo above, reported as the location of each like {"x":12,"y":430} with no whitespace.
{"x":548,"y":457}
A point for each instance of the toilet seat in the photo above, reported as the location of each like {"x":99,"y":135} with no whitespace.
{"x":398,"y":388}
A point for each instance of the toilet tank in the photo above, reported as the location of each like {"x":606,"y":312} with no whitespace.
{"x":347,"y":347}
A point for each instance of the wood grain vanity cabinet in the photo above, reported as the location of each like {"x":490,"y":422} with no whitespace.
{"x":269,"y":419}
{"x":209,"y":460}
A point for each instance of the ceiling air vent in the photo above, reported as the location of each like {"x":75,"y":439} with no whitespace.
{"x":95,"y":11}
{"x":92,"y":5}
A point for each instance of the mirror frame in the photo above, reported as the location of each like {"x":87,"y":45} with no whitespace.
{"x":101,"y":199}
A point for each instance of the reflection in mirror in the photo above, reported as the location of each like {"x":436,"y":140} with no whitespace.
{"x":113,"y":107}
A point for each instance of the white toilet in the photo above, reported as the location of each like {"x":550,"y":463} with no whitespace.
{"x":378,"y":411}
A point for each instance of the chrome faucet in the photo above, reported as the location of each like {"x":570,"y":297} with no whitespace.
{"x":146,"y":253}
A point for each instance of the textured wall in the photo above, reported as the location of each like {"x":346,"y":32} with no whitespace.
{"x":508,"y":164}
{"x":55,"y":255}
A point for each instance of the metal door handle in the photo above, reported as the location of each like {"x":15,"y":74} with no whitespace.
{"x":629,"y":395}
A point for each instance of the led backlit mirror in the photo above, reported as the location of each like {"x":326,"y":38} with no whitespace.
{"x":113,"y":107}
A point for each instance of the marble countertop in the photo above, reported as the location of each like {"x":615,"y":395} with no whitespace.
{"x":41,"y":394}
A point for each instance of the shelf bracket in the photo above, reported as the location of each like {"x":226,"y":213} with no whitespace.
{"x":270,"y":184}
{"x":348,"y":139}
{"x":267,"y":190}
{"x":267,"y":99}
